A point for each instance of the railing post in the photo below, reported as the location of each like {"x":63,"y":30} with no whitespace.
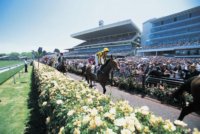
{"x":19,"y":74}
{"x":14,"y":79}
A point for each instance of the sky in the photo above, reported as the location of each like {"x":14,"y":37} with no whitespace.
{"x":26,"y":25}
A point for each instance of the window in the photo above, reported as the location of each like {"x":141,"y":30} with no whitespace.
{"x":175,"y":19}
{"x":190,"y":15}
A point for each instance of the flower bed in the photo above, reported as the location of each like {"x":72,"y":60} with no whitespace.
{"x":72,"y":107}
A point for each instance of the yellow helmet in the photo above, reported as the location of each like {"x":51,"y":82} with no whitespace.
{"x":106,"y":49}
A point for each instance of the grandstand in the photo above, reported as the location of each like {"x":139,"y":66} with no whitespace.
{"x":175,"y":35}
{"x":121,"y":38}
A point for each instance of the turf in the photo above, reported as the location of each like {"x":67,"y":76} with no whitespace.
{"x":8,"y":63}
{"x":14,"y":111}
{"x":8,"y":74}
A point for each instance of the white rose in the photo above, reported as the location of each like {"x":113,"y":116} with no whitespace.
{"x":71,"y":112}
{"x":44,"y":103}
{"x":59,"y":102}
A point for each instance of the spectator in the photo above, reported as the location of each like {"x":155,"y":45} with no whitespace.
{"x":25,"y":65}
{"x":192,"y":71}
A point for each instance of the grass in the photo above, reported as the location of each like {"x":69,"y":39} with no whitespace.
{"x":6,"y":75}
{"x":9,"y":62}
{"x":14,"y":111}
{"x":36,"y":123}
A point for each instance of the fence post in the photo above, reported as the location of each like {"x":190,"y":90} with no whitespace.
{"x":19,"y":74}
{"x":14,"y":79}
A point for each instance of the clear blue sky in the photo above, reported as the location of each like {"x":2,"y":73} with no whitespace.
{"x":26,"y":25}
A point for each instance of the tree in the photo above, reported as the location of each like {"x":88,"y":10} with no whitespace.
{"x":56,"y":50}
{"x":39,"y":54}
{"x":44,"y":52}
{"x":40,"y":51}
{"x":14,"y":55}
{"x":26,"y":54}
{"x":2,"y":54}
{"x":34,"y":54}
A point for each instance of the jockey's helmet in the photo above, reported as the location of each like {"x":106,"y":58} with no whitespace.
{"x":106,"y":49}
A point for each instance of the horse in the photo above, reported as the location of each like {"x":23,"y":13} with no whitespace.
{"x":103,"y":73}
{"x":50,"y":62}
{"x":62,"y":67}
{"x":191,"y":86}
{"x":89,"y":76}
{"x":83,"y":72}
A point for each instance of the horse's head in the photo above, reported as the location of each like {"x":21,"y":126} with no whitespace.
{"x":114,"y":64}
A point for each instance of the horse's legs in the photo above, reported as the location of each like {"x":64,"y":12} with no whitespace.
{"x":88,"y":80}
{"x":186,"y":110}
{"x":90,"y":83}
{"x":104,"y":88}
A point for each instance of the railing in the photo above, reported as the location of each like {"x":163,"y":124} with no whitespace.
{"x":168,"y":81}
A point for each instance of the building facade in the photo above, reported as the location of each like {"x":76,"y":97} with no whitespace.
{"x":174,"y":35}
{"x":121,"y":38}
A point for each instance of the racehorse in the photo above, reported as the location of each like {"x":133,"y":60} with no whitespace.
{"x":62,"y":67}
{"x":50,"y":62}
{"x":89,"y":76}
{"x":191,"y":86}
{"x":103,"y":73}
{"x":83,"y":72}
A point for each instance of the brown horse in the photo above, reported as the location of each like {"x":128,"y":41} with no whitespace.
{"x":191,"y":86}
{"x":62,"y":67}
{"x":103,"y":73}
{"x":50,"y":62}
{"x":89,"y":76}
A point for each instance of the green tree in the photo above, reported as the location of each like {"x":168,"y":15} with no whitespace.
{"x":39,"y":54}
{"x":56,"y":50}
{"x":26,"y":54}
{"x":44,"y":52}
{"x":14,"y":55}
{"x":40,"y":51}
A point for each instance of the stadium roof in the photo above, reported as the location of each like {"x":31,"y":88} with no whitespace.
{"x":126,"y":26}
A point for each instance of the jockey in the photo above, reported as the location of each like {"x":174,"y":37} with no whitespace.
{"x":100,"y":57}
{"x":60,"y":58}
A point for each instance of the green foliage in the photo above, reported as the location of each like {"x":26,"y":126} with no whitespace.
{"x":14,"y":55}
{"x":56,"y":50}
{"x":26,"y":54}
{"x":44,"y":52}
{"x":2,"y":54}
{"x":40,"y":50}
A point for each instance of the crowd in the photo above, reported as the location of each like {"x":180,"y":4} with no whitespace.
{"x":176,"y":68}
{"x":177,"y":44}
